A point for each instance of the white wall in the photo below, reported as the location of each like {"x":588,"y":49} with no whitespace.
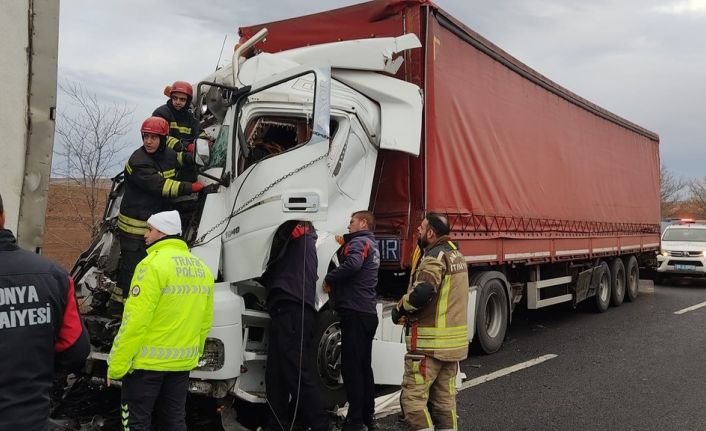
{"x":13,"y":105}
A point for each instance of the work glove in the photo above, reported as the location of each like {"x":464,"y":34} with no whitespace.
{"x":398,"y":315}
{"x":196,"y":187}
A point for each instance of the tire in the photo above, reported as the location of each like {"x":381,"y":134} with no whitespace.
{"x":492,"y":317}
{"x":617,"y":282}
{"x":602,"y":296}
{"x":632,"y":278}
{"x":325,"y":357}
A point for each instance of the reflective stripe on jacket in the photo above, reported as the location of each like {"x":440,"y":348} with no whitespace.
{"x":150,"y":187}
{"x":440,"y":328}
{"x":168,"y":313}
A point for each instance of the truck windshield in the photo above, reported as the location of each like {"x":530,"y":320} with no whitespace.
{"x":685,"y":234}
{"x":276,"y":119}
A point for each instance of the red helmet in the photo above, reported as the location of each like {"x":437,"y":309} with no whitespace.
{"x":155,"y":125}
{"x":181,"y":87}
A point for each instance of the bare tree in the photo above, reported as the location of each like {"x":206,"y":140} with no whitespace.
{"x":90,"y":133}
{"x":670,"y":187}
{"x":697,"y":195}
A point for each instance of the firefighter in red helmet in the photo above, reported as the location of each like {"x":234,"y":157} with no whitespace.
{"x":150,"y":186}
{"x":183,"y":127}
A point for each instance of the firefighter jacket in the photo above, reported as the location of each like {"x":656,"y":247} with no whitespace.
{"x":354,"y":282}
{"x":168,"y":313}
{"x":440,"y":327}
{"x":40,"y":329}
{"x":182,"y":125}
{"x":149,"y":186}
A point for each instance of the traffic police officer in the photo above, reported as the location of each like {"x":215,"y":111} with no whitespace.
{"x":434,"y":311}
{"x":40,"y":328}
{"x":164,"y":327}
{"x":149,"y":189}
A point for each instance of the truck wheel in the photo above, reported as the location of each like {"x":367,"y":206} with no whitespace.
{"x":632,"y":279}
{"x":602,"y":297}
{"x":326,"y":359}
{"x":617,"y":282}
{"x":492,"y":318}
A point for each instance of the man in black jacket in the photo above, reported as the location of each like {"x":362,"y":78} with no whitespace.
{"x":290,"y":280}
{"x":149,"y":189}
{"x":183,"y":126}
{"x":40,"y":330}
{"x":353,"y":291}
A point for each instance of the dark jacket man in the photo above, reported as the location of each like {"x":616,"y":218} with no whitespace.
{"x":40,"y":330}
{"x":290,"y":280}
{"x":353,"y":285}
{"x":354,"y":282}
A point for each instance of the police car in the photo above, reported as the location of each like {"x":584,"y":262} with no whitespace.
{"x":683,"y":251}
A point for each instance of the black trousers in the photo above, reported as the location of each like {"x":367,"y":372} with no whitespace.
{"x":283,"y":367}
{"x":357,"y":332}
{"x":132,"y":251}
{"x":161,"y":391}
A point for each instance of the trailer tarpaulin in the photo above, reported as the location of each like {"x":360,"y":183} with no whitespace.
{"x":498,"y":144}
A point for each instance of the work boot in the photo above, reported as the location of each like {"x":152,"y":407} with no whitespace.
{"x":372,"y":425}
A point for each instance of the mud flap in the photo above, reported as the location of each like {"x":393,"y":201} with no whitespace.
{"x":586,"y":281}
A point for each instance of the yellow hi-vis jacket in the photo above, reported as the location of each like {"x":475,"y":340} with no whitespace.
{"x":439,"y":328}
{"x":167,"y":315}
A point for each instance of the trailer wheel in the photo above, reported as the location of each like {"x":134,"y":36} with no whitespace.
{"x":492,"y":317}
{"x":602,"y":296}
{"x":326,"y":359}
{"x":617,"y":282}
{"x":632,"y":279}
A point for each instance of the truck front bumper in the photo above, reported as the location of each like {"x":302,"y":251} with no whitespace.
{"x":688,"y":266}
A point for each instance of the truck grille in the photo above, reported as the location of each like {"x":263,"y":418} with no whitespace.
{"x":685,"y":253}
{"x":685,"y":262}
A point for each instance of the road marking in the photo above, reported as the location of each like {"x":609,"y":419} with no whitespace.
{"x":389,"y":404}
{"x":692,"y":308}
{"x":506,"y":371}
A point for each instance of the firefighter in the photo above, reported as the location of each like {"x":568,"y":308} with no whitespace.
{"x":149,"y":188}
{"x":40,"y":329}
{"x":163,"y":332}
{"x":290,"y":282}
{"x":434,"y":312}
{"x":184,"y":129}
{"x":354,"y":296}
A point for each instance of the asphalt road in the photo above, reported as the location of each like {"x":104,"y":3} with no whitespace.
{"x":638,"y":366}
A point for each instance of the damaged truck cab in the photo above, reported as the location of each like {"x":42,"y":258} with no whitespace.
{"x":294,"y":140}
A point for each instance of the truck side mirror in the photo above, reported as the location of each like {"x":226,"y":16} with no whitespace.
{"x":202,"y":152}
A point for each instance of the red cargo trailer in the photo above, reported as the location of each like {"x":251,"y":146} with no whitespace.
{"x":550,"y":197}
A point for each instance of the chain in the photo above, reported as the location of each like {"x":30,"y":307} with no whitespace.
{"x":200,"y":240}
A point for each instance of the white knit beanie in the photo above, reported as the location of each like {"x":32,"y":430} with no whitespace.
{"x":167,"y":222}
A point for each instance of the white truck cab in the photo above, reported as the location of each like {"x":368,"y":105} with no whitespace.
{"x":297,"y":138}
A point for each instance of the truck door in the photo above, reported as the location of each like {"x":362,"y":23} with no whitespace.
{"x":280,"y":144}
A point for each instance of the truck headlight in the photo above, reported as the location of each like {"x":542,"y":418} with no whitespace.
{"x":665,"y":253}
{"x":213,"y":356}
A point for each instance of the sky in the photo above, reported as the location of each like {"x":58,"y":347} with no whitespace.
{"x":644,"y":60}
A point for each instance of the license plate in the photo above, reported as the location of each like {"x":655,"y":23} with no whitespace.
{"x":681,"y":267}
{"x":389,"y":249}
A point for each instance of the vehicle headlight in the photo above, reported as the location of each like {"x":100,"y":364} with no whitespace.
{"x":665,"y":253}
{"x":213,"y":356}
